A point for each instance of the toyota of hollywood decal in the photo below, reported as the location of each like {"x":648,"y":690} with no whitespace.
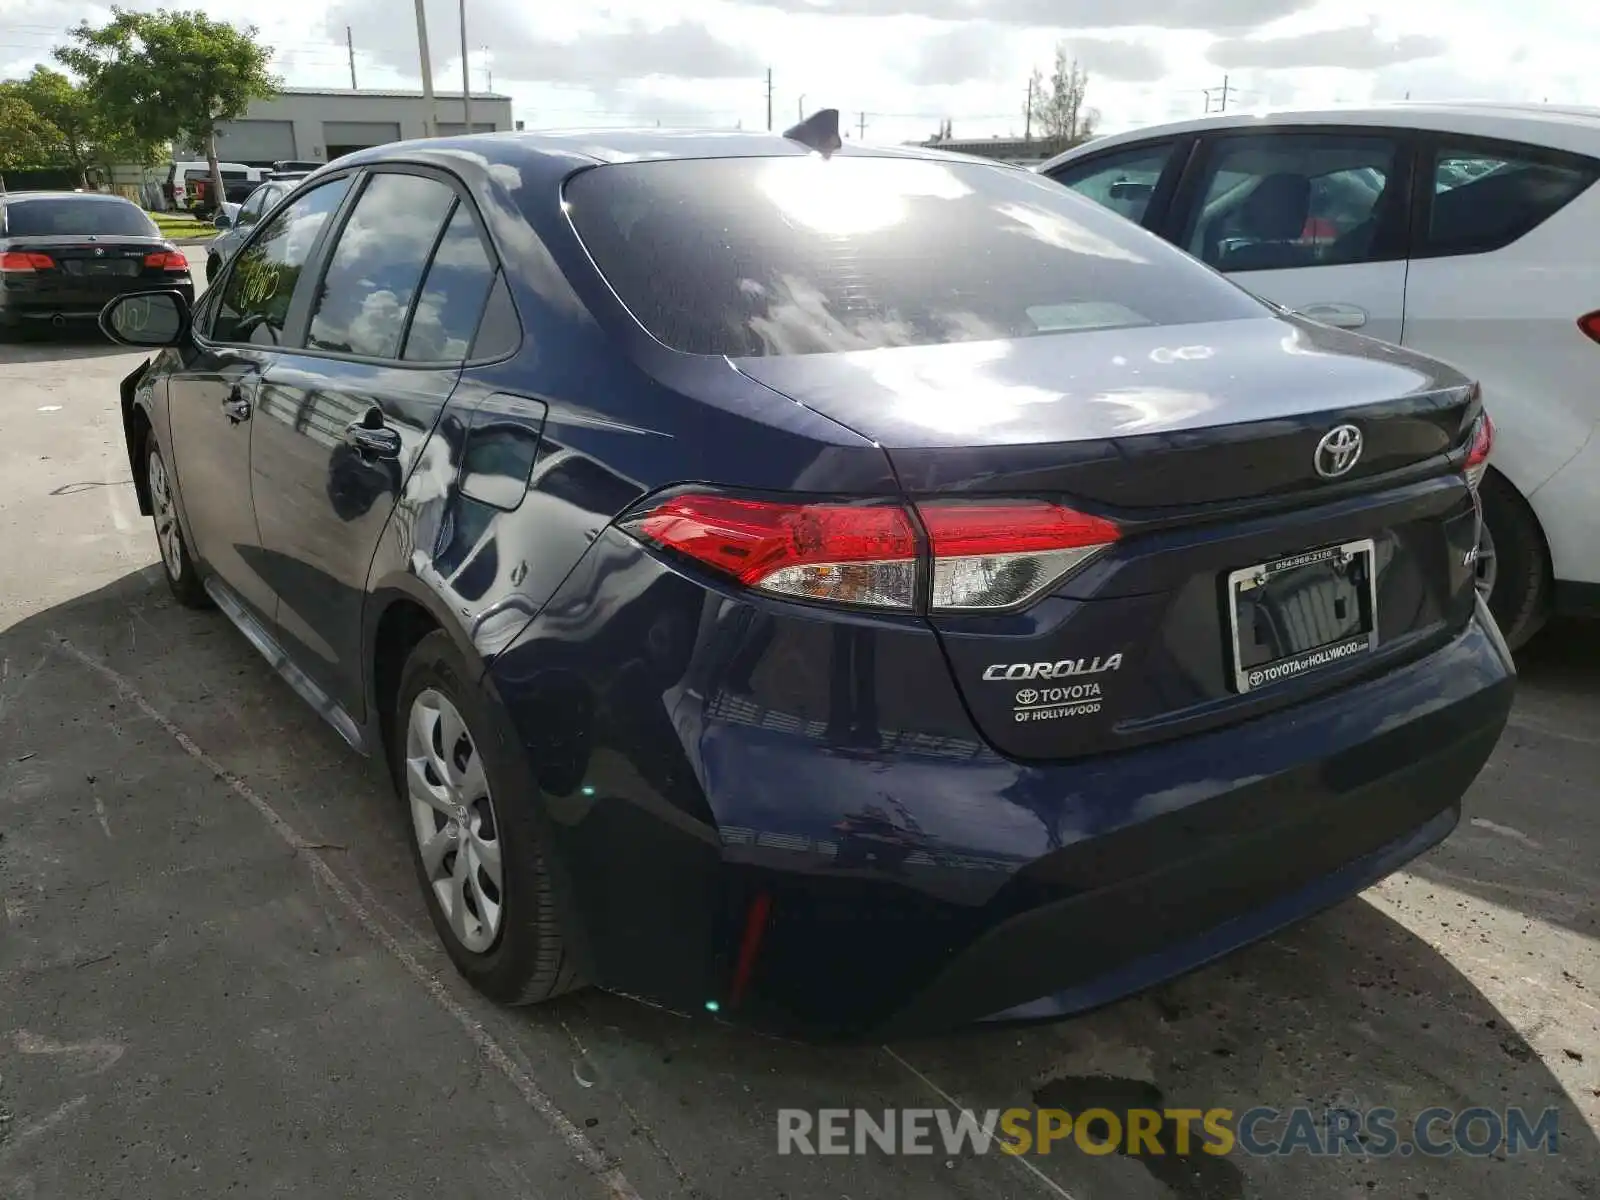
{"x":1055,"y":703}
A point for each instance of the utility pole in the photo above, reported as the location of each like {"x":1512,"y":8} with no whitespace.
{"x":769,"y":99}
{"x":861,"y":126}
{"x":427,"y":73}
{"x":800,"y":108}
{"x":1027,"y":114}
{"x":350,"y":48}
{"x":466,"y":74}
{"x":488,"y":71}
{"x":1223,"y":104}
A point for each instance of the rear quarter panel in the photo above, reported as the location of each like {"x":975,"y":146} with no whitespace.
{"x":1509,"y":319}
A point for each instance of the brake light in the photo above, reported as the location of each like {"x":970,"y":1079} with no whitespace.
{"x":1589,"y":323}
{"x":23,"y":260}
{"x":989,"y":555}
{"x":1479,"y":449}
{"x":167,"y":260}
{"x":860,"y":554}
{"x":985,"y":555}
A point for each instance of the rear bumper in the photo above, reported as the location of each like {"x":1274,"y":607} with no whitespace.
{"x":24,"y":303}
{"x":753,"y":825}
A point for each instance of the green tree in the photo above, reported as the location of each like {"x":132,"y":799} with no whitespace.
{"x":26,"y":138}
{"x":1056,"y":109}
{"x":170,"y":76}
{"x":84,"y":135}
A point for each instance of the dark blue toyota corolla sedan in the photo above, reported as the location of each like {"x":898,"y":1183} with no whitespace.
{"x":849,"y":590}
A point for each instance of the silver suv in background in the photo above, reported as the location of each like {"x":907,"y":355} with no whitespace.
{"x":236,"y":225}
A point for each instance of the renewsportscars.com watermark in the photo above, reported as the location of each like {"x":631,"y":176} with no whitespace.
{"x":1258,"y":1132}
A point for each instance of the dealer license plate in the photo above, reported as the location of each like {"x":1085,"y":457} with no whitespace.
{"x":1302,"y":613}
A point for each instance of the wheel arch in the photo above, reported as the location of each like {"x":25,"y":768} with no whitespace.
{"x":137,"y":424}
{"x":400,"y":612}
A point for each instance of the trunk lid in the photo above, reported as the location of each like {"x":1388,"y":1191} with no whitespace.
{"x":1244,"y":578}
{"x":91,"y":265}
{"x":1159,"y":417}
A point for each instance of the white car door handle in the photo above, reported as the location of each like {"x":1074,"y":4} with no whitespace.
{"x":1343,"y":316}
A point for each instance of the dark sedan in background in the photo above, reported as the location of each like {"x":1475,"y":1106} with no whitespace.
{"x":63,"y":255}
{"x":848,"y":590}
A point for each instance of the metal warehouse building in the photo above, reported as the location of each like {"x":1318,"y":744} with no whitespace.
{"x":319,"y":125}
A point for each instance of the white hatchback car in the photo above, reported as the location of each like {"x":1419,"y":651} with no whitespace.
{"x":1466,"y":231}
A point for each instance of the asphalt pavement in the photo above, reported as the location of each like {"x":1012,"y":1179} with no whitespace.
{"x":217,"y":976}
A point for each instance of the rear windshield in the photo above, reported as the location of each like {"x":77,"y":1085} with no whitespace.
{"x":806,"y":255}
{"x":65,"y":215}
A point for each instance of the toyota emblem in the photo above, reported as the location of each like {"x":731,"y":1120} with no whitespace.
{"x":1338,"y":451}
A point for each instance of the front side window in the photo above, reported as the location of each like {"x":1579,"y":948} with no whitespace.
{"x":1123,"y":181}
{"x":256,"y":295}
{"x":807,"y":255}
{"x":377,"y":264}
{"x":1483,"y":201}
{"x":1281,"y":201}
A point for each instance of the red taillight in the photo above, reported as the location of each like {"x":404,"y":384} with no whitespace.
{"x":845,"y":553}
{"x":985,"y":554}
{"x":1479,"y":449}
{"x":1590,"y":324}
{"x":989,"y":555}
{"x":167,"y":260}
{"x":23,"y":260}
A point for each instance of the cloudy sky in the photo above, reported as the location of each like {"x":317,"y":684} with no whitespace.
{"x":906,"y":64}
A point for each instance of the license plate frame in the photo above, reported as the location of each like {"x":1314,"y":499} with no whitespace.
{"x":1356,"y":561}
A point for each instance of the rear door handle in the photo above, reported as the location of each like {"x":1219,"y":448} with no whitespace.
{"x":373,"y":441}
{"x":1341,"y":316}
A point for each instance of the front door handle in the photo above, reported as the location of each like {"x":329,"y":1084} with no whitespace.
{"x":373,"y":440}
{"x":1341,"y":316}
{"x":237,"y":406}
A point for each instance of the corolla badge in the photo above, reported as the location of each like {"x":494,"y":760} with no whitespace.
{"x":1338,"y":451}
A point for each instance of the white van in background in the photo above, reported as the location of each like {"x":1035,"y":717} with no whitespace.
{"x":179,"y":187}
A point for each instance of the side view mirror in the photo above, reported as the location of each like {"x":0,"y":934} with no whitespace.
{"x":147,"y":319}
{"x":222,"y":221}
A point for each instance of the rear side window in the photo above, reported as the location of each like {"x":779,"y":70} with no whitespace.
{"x":453,"y":295}
{"x":1484,"y":201}
{"x":1281,"y":201}
{"x":71,"y":217}
{"x":377,"y":264}
{"x":806,"y":255}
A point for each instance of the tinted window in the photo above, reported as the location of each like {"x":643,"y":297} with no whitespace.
{"x":1486,"y":201}
{"x":255,"y":298}
{"x":500,"y":331}
{"x":1122,"y":182}
{"x":250,"y":212}
{"x":1279,"y":201}
{"x":69,"y":216}
{"x":376,"y":265}
{"x":457,"y":284}
{"x":805,"y":255}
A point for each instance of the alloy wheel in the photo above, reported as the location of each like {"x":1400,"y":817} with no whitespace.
{"x":453,"y":820}
{"x":1486,"y":566}
{"x":165,"y":514}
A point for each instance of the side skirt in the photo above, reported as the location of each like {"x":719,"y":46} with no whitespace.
{"x":330,"y":711}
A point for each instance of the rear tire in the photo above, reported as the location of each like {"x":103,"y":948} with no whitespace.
{"x":212,"y":267}
{"x":1515,"y":567}
{"x":177,"y":563}
{"x":468,"y":803}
